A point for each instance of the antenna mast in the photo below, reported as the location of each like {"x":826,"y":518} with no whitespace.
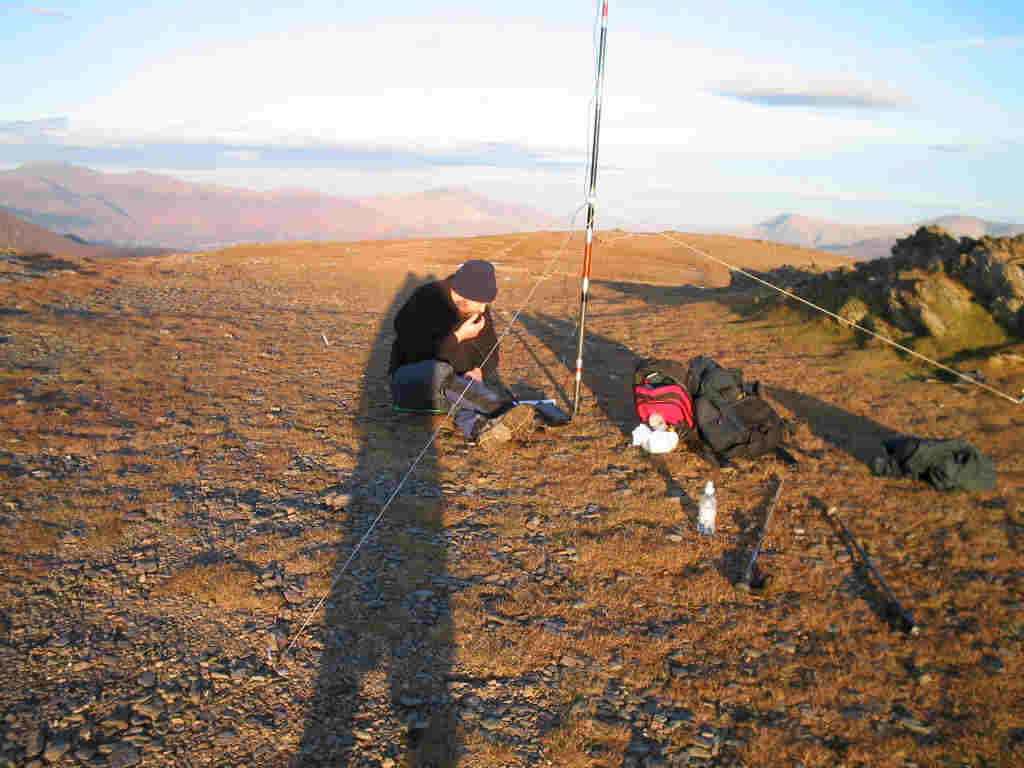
{"x":591,"y":200}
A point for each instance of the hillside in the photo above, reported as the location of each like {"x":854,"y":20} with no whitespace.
{"x":200,"y":564}
{"x":20,"y":235}
{"x":149,"y":209}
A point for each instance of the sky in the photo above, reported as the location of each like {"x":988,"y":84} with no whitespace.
{"x":714,"y":115}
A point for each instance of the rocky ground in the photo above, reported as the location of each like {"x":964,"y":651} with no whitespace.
{"x":219,"y":545}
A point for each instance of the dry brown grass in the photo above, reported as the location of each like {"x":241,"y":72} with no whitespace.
{"x":31,"y":537}
{"x":206,"y":377}
{"x":482,"y":751}
{"x":587,"y":742}
{"x":227,"y":586}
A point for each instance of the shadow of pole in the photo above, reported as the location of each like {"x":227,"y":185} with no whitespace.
{"x":754,"y":528}
{"x":608,"y":374}
{"x":612,"y":391}
{"x":562,"y":392}
{"x":386,"y":637}
{"x":858,"y":436}
{"x":664,"y":295}
{"x":860,"y":582}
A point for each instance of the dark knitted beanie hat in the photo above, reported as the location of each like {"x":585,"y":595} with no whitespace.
{"x":474,"y":280}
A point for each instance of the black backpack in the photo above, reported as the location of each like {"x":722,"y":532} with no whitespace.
{"x":731,"y":417}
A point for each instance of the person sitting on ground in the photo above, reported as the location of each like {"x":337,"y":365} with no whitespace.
{"x":447,"y":351}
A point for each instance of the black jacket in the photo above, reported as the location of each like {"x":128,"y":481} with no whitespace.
{"x":426,"y":326}
{"x":947,"y":464}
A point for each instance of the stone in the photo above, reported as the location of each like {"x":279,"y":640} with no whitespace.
{"x":240,"y":672}
{"x":56,"y":748}
{"x":119,"y":719}
{"x":992,"y":664}
{"x":151,"y":709}
{"x":337,"y":500}
{"x":85,"y":752}
{"x":638,"y":748}
{"x":124,"y":755}
{"x":226,"y":737}
{"x":911,"y":723}
{"x":35,"y":740}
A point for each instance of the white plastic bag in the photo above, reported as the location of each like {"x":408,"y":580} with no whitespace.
{"x":655,"y":441}
{"x":641,"y":434}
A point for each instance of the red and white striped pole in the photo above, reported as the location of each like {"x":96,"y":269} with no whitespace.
{"x":591,"y":200}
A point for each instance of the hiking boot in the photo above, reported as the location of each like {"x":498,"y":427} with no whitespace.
{"x":513,"y":423}
{"x":519,"y":420}
{"x":491,"y":434}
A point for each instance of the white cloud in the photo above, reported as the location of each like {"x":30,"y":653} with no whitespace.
{"x":362,"y":84}
{"x":432,"y":87}
{"x":815,"y":95}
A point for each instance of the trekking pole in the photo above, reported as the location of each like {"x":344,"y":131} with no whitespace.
{"x":908,"y":621}
{"x":591,"y":200}
{"x":748,"y":576}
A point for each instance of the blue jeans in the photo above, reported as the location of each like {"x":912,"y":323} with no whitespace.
{"x":434,"y":385}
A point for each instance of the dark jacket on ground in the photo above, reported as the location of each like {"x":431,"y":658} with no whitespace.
{"x":947,"y":464}
{"x":426,"y":326}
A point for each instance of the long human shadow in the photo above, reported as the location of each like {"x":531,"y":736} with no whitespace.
{"x":856,"y":435}
{"x":387,"y":628}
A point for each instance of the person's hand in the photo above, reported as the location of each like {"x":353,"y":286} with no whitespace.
{"x":475,"y":374}
{"x":470,"y":328}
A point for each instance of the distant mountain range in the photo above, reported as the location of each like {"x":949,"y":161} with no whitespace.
{"x":80,"y":208}
{"x":866,"y":242}
{"x":146,"y":209}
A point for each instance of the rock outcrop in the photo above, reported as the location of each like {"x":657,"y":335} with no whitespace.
{"x":932,"y":285}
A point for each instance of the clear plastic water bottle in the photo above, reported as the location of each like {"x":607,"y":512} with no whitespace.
{"x":707,"y":510}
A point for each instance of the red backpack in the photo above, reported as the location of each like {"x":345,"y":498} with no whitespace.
{"x":658,"y":388}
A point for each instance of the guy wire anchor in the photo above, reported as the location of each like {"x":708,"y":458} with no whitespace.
{"x":909,"y":625}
